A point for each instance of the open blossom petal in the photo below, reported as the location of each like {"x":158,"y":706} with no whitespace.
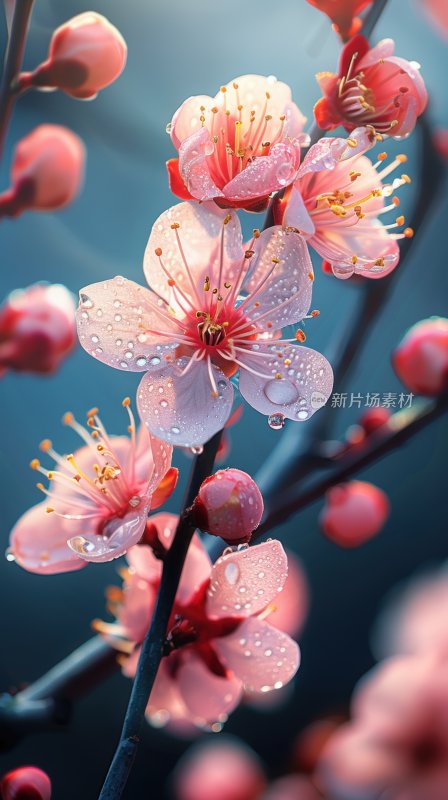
{"x":297,"y":384}
{"x":242,"y":144}
{"x":208,"y":697}
{"x":149,"y":568}
{"x":137,"y":608}
{"x":181,"y":408}
{"x":263,"y":657}
{"x":244,"y":582}
{"x":115,"y":322}
{"x":280,"y":282}
{"x":344,"y":194}
{"x":116,"y":537}
{"x":39,"y":543}
{"x":190,"y":237}
{"x":268,"y":174}
{"x":165,"y":703}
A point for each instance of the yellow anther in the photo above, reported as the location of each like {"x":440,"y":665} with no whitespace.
{"x":68,"y":418}
{"x":408,"y":232}
{"x":227,"y":219}
{"x":352,"y":142}
{"x":45,"y":445}
{"x":41,"y":487}
{"x":249,"y":253}
{"x":300,"y":336}
{"x":207,"y":284}
{"x":275,"y":260}
{"x":287,"y":362}
{"x":400,"y":220}
{"x":35,"y":463}
{"x":406,"y":178}
{"x":256,"y":233}
{"x":227,"y":285}
{"x":126,"y":402}
{"x":93,"y":412}
{"x":315,"y":313}
{"x":223,"y":89}
{"x":158,"y":251}
{"x":402,"y":158}
{"x":382,"y":156}
{"x":175,"y":225}
{"x":49,"y":509}
{"x":311,"y":276}
{"x":278,"y":376}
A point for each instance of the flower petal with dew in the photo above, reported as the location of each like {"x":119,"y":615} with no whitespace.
{"x":220,"y":642}
{"x":373,"y":87}
{"x":337,"y":203}
{"x":212,"y":307}
{"x":97,"y":502}
{"x":239,"y":146}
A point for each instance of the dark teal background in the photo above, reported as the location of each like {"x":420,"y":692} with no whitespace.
{"x":176,"y":49}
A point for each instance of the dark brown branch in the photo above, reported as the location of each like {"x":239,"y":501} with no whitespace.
{"x":13,"y":63}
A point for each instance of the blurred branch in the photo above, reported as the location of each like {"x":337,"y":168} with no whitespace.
{"x":153,"y":644}
{"x":13,"y":62}
{"x":400,"y":428}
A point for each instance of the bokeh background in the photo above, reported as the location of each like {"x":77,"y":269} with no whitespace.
{"x":177,"y":49}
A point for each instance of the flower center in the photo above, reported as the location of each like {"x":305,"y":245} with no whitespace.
{"x":359,"y":103}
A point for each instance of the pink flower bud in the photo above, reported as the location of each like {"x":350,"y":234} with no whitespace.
{"x":225,"y":770}
{"x":229,"y":504}
{"x":354,"y":513}
{"x":421,"y":358}
{"x":46,"y":171}
{"x":86,"y":54}
{"x":26,"y":783}
{"x":374,"y":418}
{"x":37,"y":328}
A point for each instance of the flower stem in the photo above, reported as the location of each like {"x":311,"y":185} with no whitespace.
{"x":152,"y":648}
{"x":13,"y":62}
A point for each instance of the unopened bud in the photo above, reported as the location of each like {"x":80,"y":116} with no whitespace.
{"x":229,"y":504}
{"x":421,"y":358}
{"x":25,"y":783}
{"x":354,"y":512}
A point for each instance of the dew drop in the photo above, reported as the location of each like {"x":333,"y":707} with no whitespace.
{"x":85,"y":300}
{"x":175,"y":429}
{"x":276,"y":421}
{"x":232,"y":573}
{"x":154,"y":361}
{"x":140,"y":361}
{"x":197,"y":450}
{"x":281,"y":392}
{"x":9,"y":555}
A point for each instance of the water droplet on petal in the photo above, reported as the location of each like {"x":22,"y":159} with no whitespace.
{"x":281,"y":392}
{"x":85,"y":300}
{"x":231,"y":573}
{"x":9,"y":555}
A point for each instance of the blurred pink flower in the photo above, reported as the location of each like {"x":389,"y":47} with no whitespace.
{"x":342,"y":14}
{"x":437,"y":11}
{"x":238,"y":147}
{"x":37,"y":328}
{"x":86,"y":54}
{"x":354,"y":512}
{"x":98,"y":501}
{"x":46,"y":173}
{"x":219,"y":642}
{"x":291,"y":787}
{"x":373,"y":87}
{"x":25,"y":783}
{"x":421,"y":358}
{"x":229,"y":504}
{"x":397,"y":743}
{"x":223,"y":770}
{"x":415,"y":619}
{"x":337,"y":202}
{"x":214,"y":308}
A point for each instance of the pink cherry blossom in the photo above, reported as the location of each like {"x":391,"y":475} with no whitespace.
{"x":421,"y":358}
{"x":214,"y":308}
{"x":396,"y":745}
{"x":342,"y":14}
{"x":229,"y":504}
{"x":223,"y":770}
{"x":373,"y":87}
{"x":46,"y":173}
{"x":354,"y":512}
{"x":98,"y":501}
{"x":37,"y":329}
{"x":238,"y":147}
{"x":219,"y":643}
{"x":414,"y":619}
{"x":86,"y":54}
{"x":338,"y":200}
{"x":25,"y":783}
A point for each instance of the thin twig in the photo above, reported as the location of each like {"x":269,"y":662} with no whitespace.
{"x":152,"y":648}
{"x":402,"y":426}
{"x":13,"y":63}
